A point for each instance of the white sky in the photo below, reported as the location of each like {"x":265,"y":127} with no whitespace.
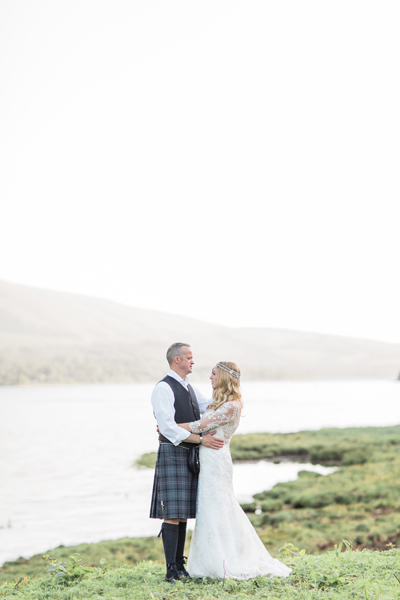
{"x":236,"y":162}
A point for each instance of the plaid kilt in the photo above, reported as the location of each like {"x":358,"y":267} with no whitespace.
{"x":175,"y":487}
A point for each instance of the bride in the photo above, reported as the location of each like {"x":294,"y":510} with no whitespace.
{"x":224,"y":542}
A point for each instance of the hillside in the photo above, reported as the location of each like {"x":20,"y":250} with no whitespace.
{"x":67,"y":338}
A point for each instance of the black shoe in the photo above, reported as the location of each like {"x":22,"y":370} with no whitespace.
{"x":180,"y":567}
{"x":172,"y":573}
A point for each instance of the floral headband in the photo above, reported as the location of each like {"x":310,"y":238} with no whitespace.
{"x":228,"y":370}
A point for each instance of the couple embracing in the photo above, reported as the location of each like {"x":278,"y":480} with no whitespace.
{"x":224,"y":543}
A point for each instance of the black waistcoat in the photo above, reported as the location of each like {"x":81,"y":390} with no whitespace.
{"x":186,"y":407}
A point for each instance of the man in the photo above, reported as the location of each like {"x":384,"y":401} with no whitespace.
{"x":174,"y":497}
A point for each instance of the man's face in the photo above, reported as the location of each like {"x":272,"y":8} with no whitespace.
{"x":186,"y":361}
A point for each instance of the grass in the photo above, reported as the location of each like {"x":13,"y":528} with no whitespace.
{"x":147,"y":460}
{"x":123,"y":551}
{"x":355,"y":445}
{"x":351,"y":574}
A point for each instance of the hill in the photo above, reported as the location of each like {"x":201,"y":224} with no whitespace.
{"x":67,"y":338}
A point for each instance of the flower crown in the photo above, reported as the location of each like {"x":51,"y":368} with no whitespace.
{"x":228,"y":370}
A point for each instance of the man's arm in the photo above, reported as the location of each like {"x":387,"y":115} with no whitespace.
{"x":208,"y":440}
{"x":162,"y":400}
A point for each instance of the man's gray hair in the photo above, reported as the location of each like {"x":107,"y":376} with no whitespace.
{"x":175,"y":350}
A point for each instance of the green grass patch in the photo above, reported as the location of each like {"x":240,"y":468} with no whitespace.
{"x":147,"y":460}
{"x":348,"y":575}
{"x":351,"y":446}
{"x":119,"y":552}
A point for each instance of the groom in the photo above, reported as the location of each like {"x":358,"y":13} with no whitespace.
{"x":174,"y":497}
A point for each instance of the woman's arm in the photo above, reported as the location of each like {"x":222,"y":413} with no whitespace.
{"x":208,"y":440}
{"x":224,"y":414}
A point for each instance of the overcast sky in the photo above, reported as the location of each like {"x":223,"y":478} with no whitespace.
{"x":236,"y":162}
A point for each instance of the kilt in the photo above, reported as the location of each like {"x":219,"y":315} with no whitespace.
{"x":175,"y":487}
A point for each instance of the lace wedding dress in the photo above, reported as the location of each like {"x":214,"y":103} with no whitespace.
{"x":224,"y":542}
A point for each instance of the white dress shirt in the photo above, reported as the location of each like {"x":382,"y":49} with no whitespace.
{"x":162,"y":400}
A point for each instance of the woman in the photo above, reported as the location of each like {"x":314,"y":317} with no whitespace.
{"x":224,"y":543}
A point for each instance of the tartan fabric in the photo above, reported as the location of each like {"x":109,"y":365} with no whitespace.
{"x":175,"y":487}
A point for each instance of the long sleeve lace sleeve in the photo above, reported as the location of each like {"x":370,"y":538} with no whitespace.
{"x":226,"y":413}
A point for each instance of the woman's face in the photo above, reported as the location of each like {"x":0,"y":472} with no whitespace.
{"x":214,"y":377}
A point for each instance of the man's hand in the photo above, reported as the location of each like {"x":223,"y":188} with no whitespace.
{"x":209,"y":441}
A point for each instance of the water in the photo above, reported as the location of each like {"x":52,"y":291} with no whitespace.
{"x":66,"y":452}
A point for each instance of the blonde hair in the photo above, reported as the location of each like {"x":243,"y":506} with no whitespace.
{"x":228,"y":387}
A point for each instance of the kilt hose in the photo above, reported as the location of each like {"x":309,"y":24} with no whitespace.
{"x":175,"y":487}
